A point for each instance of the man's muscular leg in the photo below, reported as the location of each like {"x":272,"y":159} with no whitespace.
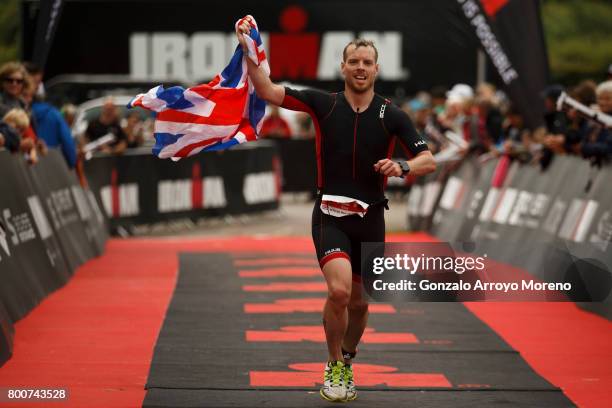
{"x":357,"y":318}
{"x":338,"y":275}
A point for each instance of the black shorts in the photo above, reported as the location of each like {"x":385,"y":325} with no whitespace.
{"x":341,"y":237}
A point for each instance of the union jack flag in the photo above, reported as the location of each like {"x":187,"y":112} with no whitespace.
{"x":214,"y":116}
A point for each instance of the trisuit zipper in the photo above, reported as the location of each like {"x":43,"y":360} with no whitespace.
{"x":355,"y":140}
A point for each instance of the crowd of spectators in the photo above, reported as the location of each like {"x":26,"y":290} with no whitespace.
{"x":30,"y":126}
{"x":483,"y":121}
{"x":17,"y":123}
{"x":454,"y":121}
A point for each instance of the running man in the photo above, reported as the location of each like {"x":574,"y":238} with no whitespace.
{"x":356,"y":130}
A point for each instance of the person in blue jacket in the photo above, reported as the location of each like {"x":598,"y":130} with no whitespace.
{"x":51,"y":126}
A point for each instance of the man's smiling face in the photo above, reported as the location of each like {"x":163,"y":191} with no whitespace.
{"x":359,"y":68}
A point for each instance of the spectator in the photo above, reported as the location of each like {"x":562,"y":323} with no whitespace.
{"x":585,"y":92}
{"x":421,"y":116}
{"x":13,"y":76}
{"x":438,"y":99}
{"x":69,"y":113}
{"x":107,"y":122}
{"x":423,"y":97}
{"x":578,"y":127}
{"x":18,"y":121}
{"x":36,"y":73}
{"x":604,"y":97}
{"x":556,"y":121}
{"x":9,"y":137}
{"x":470,"y":120}
{"x":51,"y":127}
{"x":488,"y":110}
{"x":419,"y":113}
{"x":274,"y":126}
{"x":514,"y":126}
{"x":134,"y":130}
{"x":517,"y":141}
{"x":458,"y":102}
{"x":29,"y":87}
{"x":597,"y":145}
{"x":492,"y":126}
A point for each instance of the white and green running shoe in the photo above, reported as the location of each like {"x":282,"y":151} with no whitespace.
{"x":351,"y":391}
{"x":334,"y":388}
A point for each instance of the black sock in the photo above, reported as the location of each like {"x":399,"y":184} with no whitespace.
{"x":347,"y":355}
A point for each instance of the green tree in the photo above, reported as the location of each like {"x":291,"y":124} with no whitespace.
{"x":579,"y":38}
{"x":9,"y":30}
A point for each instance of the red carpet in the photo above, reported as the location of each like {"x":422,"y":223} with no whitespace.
{"x":96,"y":335}
{"x":569,"y":347}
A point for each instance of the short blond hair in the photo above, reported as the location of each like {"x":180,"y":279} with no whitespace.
{"x":18,"y":118}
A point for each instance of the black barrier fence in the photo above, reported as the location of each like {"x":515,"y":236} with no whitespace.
{"x":49,"y":226}
{"x":138,"y":188}
{"x":299,"y":165}
{"x":6,"y":335}
{"x":552,"y":222}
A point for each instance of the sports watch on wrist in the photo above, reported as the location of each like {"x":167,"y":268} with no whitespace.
{"x":405,"y":167}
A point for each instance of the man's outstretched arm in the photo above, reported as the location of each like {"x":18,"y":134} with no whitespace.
{"x":265,"y":88}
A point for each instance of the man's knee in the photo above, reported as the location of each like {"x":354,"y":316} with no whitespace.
{"x":339,"y":295}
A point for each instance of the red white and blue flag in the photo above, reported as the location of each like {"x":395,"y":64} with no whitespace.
{"x":214,"y":116}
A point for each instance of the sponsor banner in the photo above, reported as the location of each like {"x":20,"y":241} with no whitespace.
{"x":460,"y":200}
{"x":69,"y":212}
{"x":423,"y":199}
{"x":304,"y":40}
{"x":93,"y":218}
{"x":598,"y":224}
{"x":544,"y":222}
{"x":138,"y":188}
{"x":591,"y":242}
{"x":45,"y":218}
{"x":537,"y":214}
{"x":523,"y":214}
{"x":7,"y":332}
{"x":510,"y":33}
{"x":48,"y":19}
{"x":31,"y":260}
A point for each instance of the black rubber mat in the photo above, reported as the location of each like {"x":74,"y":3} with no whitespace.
{"x":212,"y":352}
{"x":367,"y":399}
